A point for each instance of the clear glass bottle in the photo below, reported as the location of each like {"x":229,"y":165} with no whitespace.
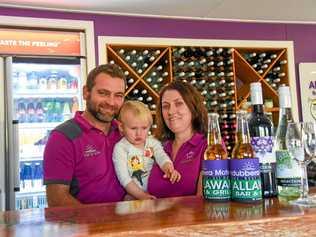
{"x":215,"y":182}
{"x":288,"y":171}
{"x":244,"y":166}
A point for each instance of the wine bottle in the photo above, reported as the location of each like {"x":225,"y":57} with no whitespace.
{"x":215,"y":173}
{"x":250,"y":56}
{"x":283,"y":62}
{"x":180,"y":64}
{"x":130,"y":81}
{"x":164,"y":74}
{"x":288,"y":171}
{"x":149,"y":99}
{"x":140,"y":58}
{"x":134,"y":64}
{"x":261,"y":132}
{"x":281,"y":74}
{"x":276,"y":69}
{"x":156,"y":87}
{"x":244,"y":166}
{"x":177,"y":52}
{"x":144,"y":92}
{"x":135,"y":91}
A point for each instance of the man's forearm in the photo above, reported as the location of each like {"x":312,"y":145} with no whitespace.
{"x":57,"y":196}
{"x":65,"y":200}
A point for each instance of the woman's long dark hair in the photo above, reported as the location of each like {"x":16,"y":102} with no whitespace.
{"x":193,"y":100}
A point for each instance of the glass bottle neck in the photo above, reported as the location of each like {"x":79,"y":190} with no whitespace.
{"x":285,"y":114}
{"x":258,"y":108}
{"x":214,"y":134}
{"x":242,"y":133}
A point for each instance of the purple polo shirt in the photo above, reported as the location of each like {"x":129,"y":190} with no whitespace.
{"x":187,"y":162}
{"x":85,"y":163}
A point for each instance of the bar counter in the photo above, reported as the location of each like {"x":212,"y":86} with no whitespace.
{"x":181,"y":216}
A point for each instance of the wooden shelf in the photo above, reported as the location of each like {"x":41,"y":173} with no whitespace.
{"x":222,"y":74}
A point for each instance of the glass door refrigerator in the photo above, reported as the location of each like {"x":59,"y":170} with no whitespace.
{"x":40,"y":93}
{"x":41,"y":76}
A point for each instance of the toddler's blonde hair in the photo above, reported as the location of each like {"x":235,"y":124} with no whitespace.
{"x":138,"y":109}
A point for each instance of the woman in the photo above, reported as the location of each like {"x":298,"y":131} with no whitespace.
{"x":182,"y":126}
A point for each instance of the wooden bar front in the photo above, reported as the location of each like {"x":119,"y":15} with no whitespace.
{"x":182,"y":216}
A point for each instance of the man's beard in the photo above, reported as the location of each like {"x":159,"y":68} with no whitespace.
{"x":101,"y":117}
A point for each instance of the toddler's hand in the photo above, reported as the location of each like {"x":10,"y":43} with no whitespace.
{"x":175,"y":176}
{"x":167,"y":168}
{"x":171,"y":173}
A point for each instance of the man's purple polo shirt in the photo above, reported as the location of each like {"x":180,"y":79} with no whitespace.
{"x":85,"y":163}
{"x":187,"y":162}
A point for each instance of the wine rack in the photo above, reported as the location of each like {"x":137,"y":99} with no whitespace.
{"x":221,"y":74}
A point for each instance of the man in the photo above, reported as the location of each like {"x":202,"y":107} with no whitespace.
{"x":78,"y":165}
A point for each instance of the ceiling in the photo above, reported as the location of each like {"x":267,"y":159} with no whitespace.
{"x":302,"y":11}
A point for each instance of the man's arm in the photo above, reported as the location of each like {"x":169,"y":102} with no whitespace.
{"x":58,"y":167}
{"x":58,"y":195}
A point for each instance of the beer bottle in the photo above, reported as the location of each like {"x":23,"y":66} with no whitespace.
{"x":215,"y":175}
{"x":244,"y":166}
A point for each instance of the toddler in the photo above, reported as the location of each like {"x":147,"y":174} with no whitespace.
{"x":135,"y":154}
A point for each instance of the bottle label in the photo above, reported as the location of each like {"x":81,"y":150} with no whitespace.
{"x":245,"y":180}
{"x":288,"y":170}
{"x":263,"y":147}
{"x":215,"y":181}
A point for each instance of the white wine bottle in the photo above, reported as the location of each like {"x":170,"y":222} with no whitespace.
{"x":288,"y":171}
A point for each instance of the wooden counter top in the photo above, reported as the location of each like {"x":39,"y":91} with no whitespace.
{"x":183,"y":216}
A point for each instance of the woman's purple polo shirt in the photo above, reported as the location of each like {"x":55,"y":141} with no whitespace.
{"x":187,"y":162}
{"x":85,"y":163}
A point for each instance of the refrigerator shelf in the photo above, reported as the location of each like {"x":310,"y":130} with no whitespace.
{"x":31,"y":193}
{"x":45,"y":95}
{"x":48,"y":126}
{"x":30,"y":159}
{"x":47,"y":92}
{"x":31,"y":155}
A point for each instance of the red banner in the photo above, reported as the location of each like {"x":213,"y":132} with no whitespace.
{"x":39,"y":42}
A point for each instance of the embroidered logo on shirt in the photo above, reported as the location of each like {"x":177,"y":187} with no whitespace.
{"x":90,"y":151}
{"x":188,"y":157}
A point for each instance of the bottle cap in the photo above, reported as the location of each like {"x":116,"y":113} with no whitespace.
{"x":256,"y":93}
{"x":284,"y":96}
